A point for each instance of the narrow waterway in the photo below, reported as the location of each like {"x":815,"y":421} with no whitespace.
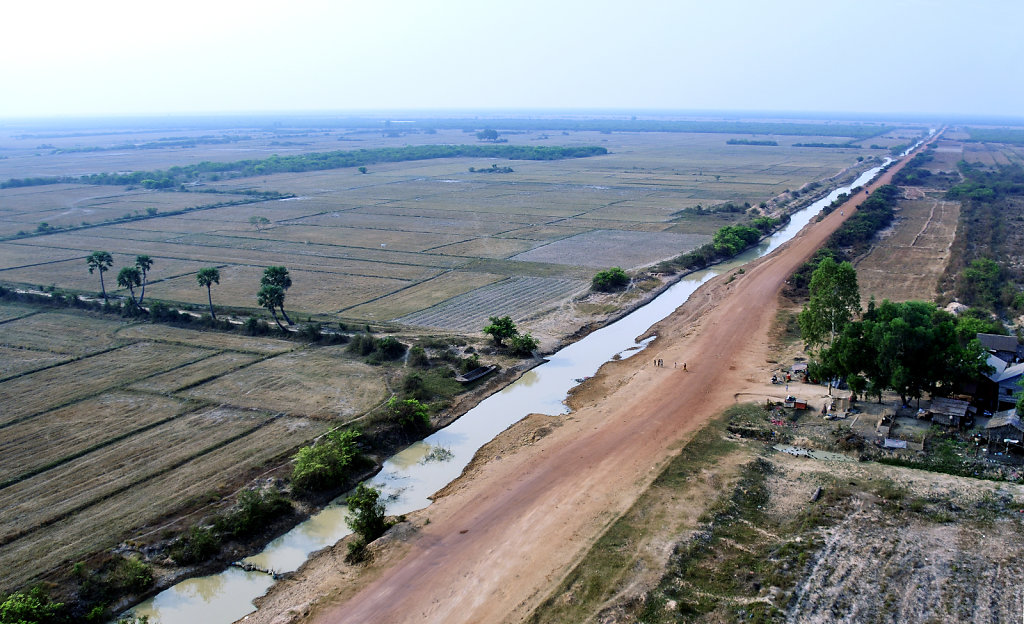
{"x":411,"y":476}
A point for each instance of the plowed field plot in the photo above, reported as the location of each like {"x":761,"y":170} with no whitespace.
{"x":910,"y":257}
{"x":38,"y":392}
{"x":311,"y":292}
{"x":194,"y":374}
{"x":210,"y":340}
{"x":623,"y":249}
{"x":67,"y":432}
{"x":17,"y":361}
{"x":423,"y":295}
{"x":519,"y":297}
{"x":107,"y":521}
{"x":35,"y":501}
{"x":316,"y":382}
{"x":49,"y":331}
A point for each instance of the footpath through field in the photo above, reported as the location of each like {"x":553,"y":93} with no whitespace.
{"x":496,"y":543}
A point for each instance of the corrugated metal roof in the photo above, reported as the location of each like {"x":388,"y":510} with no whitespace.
{"x":1004,"y":418}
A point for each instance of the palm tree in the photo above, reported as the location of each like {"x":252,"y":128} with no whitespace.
{"x":143,"y":262}
{"x":101,"y":261}
{"x":271,"y":297}
{"x":129,"y":277}
{"x":278,"y":276}
{"x":207,"y":277}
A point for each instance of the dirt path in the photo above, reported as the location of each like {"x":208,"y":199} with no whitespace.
{"x":496,"y":543}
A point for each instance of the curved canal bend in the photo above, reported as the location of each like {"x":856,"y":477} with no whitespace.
{"x":411,"y":476}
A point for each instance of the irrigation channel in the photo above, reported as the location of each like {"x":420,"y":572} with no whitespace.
{"x":411,"y":476}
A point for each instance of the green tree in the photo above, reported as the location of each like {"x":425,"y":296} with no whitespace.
{"x":500,"y":328}
{"x":100,"y":261}
{"x":130,"y":277}
{"x":271,"y":297}
{"x":30,"y":607}
{"x":144,"y":263}
{"x":610,"y":279}
{"x":259,"y":222}
{"x":487,"y":135}
{"x":278,"y":276}
{"x":523,"y":344}
{"x":208,"y":276}
{"x":366,"y":513}
{"x":982,"y":281}
{"x":834,"y":300}
{"x":327,"y":463}
{"x":410,"y":414}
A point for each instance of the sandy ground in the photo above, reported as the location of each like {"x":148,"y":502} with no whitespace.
{"x":497,"y":542}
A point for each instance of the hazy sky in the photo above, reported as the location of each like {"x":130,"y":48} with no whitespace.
{"x":884,"y":56}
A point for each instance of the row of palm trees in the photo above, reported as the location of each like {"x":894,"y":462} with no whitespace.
{"x":273,"y":284}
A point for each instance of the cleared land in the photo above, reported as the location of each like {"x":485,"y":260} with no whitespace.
{"x":357,"y":244}
{"x":910,"y":257}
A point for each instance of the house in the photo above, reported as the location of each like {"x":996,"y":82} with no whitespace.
{"x":1006,"y":348}
{"x":948,"y":412}
{"x":1004,"y":429}
{"x":997,"y":389}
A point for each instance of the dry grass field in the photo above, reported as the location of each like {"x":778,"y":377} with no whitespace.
{"x":107,"y":426}
{"x":910,"y":257}
{"x":357,"y":243}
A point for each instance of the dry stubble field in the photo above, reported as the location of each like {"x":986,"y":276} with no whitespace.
{"x":108,"y":426}
{"x":405,"y":240}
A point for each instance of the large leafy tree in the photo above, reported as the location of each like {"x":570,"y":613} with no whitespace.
{"x":366,"y":513}
{"x":834,"y":300}
{"x":278,"y":276}
{"x":271,"y":297}
{"x":100,"y":261}
{"x":144,"y":263}
{"x":208,"y":276}
{"x":910,"y":348}
{"x":130,"y":277}
{"x":501,"y":328}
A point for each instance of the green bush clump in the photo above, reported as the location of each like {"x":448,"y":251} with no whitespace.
{"x":198,"y":544}
{"x":327,"y":463}
{"x":254,"y":511}
{"x":609,"y":280}
{"x":410,"y":414}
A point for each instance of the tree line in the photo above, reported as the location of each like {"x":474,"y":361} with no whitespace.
{"x":317,"y":161}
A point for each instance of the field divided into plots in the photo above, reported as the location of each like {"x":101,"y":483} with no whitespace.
{"x":107,"y":426}
{"x":404,"y":238}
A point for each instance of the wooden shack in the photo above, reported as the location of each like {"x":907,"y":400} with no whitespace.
{"x":948,"y":412}
{"x":1005,"y":429}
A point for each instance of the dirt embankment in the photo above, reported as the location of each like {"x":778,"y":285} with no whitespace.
{"x":494,"y":545}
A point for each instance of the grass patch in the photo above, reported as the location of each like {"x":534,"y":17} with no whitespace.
{"x":615,"y":554}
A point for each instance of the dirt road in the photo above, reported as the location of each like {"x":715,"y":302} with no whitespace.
{"x":497,"y":541}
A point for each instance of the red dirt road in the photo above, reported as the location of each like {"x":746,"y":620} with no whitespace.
{"x":496,"y":543}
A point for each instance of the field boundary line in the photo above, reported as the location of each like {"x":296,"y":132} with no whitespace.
{"x":13,"y":537}
{"x":18,"y":318}
{"x":95,"y":447}
{"x":71,"y":359}
{"x":195,"y":384}
{"x":122,"y":386}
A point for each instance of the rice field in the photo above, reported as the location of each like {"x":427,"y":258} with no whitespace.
{"x":107,"y":426}
{"x":356,"y":243}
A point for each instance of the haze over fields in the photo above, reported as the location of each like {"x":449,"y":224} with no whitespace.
{"x":115,"y":57}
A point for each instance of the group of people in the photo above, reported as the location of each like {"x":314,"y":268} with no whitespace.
{"x":660,"y":362}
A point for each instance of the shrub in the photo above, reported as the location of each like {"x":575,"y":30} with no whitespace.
{"x":327,"y":463}
{"x":366,"y":513}
{"x":523,"y":344}
{"x":254,"y":511}
{"x":199,"y":544}
{"x":418,"y":357}
{"x":30,"y":607}
{"x":609,"y":280}
{"x":411,"y":414}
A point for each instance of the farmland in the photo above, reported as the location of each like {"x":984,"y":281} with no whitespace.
{"x":110,"y":426}
{"x":402,"y":239}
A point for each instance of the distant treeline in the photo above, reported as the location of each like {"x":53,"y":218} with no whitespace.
{"x":317,"y":161}
{"x":157,"y":144}
{"x":750,"y":142}
{"x":847,"y":145}
{"x":1013,"y":136}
